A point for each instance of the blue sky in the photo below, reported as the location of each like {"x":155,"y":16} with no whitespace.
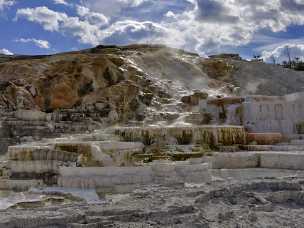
{"x":208,"y":27}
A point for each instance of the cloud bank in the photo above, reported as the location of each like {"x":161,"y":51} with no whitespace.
{"x":204,"y":26}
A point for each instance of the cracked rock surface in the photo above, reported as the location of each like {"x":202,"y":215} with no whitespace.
{"x":256,"y":203}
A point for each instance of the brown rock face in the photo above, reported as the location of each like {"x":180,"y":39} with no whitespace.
{"x":67,"y":81}
{"x":18,"y":97}
{"x":65,"y":85}
{"x":219,"y":69}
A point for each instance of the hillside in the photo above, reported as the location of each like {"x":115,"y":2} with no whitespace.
{"x":267,"y":79}
{"x":128,"y":80}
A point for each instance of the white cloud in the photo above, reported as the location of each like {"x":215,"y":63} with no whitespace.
{"x":170,"y":14}
{"x":130,"y":31}
{"x":111,"y":7}
{"x":87,"y":27}
{"x":93,"y":18}
{"x":6,"y":52}
{"x":61,"y":2}
{"x":280,"y":53}
{"x":6,"y":3}
{"x":39,"y":43}
{"x":49,"y":19}
{"x":82,"y":28}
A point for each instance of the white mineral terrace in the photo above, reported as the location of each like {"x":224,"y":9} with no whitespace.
{"x":110,"y":165}
{"x":123,"y":160}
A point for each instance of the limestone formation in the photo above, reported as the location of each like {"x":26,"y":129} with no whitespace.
{"x":211,"y":135}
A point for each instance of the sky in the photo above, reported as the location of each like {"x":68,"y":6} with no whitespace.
{"x":247,"y":27}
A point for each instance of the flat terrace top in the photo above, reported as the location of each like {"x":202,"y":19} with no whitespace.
{"x":181,"y":127}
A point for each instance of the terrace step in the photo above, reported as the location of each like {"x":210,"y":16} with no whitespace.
{"x":296,"y":136}
{"x":278,"y":147}
{"x":257,"y":159}
{"x":39,"y":152}
{"x":234,"y":148}
{"x":19,"y":185}
{"x":156,"y":172}
{"x":254,"y":173}
{"x":297,"y":142}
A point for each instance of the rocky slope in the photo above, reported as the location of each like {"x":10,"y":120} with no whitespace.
{"x":136,"y":84}
{"x":125,"y":78}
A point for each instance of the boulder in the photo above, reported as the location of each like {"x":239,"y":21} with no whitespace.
{"x":100,"y":106}
{"x":195,"y":98}
{"x":146,"y":98}
{"x":113,"y":116}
